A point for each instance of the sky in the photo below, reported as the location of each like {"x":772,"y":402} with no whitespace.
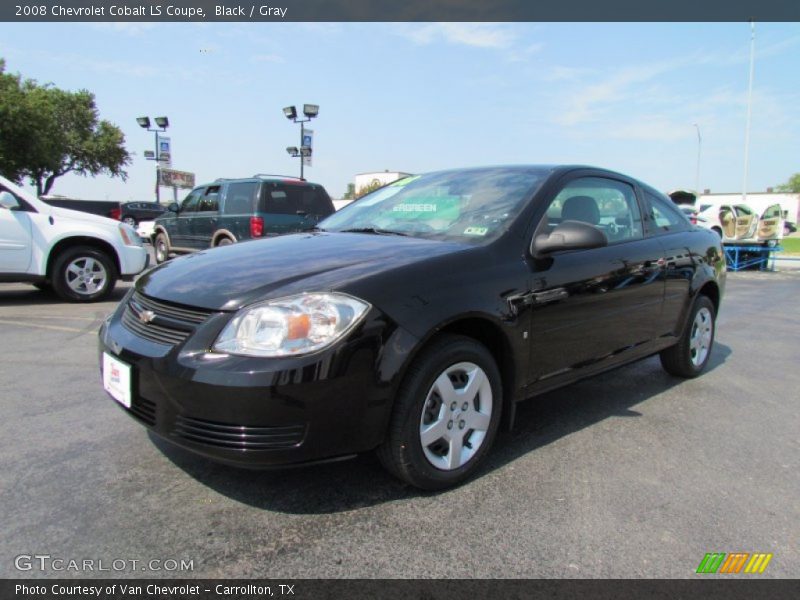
{"x":419,"y":97}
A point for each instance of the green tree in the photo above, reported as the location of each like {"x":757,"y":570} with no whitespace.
{"x":46,"y":132}
{"x":792,"y":186}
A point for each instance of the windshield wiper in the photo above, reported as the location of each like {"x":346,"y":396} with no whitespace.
{"x":373,"y":230}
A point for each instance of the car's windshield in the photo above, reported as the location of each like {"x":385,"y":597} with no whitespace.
{"x":474,"y":205}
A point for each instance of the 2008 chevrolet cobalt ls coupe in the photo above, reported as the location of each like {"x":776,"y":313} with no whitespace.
{"x":415,"y":318}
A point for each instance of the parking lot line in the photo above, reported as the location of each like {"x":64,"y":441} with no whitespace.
{"x":42,"y":326}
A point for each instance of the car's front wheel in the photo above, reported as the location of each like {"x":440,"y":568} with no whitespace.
{"x":690,"y":355}
{"x":445,"y":416}
{"x":161,"y":247}
{"x":83,"y":274}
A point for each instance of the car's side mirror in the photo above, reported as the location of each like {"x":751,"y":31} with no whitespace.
{"x":569,"y":235}
{"x":8,"y":201}
{"x":174,"y":208}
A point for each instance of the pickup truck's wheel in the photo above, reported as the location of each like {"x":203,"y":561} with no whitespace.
{"x":445,"y":416}
{"x":83,"y":274}
{"x":690,"y":355}
{"x":161,"y":247}
{"x":224,"y":241}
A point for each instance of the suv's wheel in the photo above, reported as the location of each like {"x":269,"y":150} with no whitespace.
{"x":161,"y":247}
{"x":690,"y":355}
{"x":445,"y":416}
{"x":83,"y":274}
{"x":129,"y":220}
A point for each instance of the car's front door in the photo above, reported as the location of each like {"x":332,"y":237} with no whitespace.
{"x":745,"y":222}
{"x":183,"y":221}
{"x":204,"y":221}
{"x":588,"y":305}
{"x":15,"y":235}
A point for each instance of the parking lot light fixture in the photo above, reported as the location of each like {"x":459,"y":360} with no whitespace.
{"x":161,"y":126}
{"x":310,"y":111}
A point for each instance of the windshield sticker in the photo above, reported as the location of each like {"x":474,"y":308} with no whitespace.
{"x":415,"y":208}
{"x":379,"y":196}
{"x":404,"y":181}
{"x":476,"y":231}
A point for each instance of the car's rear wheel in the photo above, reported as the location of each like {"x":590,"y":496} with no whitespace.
{"x":83,"y":274}
{"x":224,"y":241}
{"x":161,"y":247}
{"x":129,"y":220}
{"x":445,"y":416}
{"x":690,"y":355}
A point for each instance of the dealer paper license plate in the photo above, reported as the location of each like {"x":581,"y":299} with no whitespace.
{"x":117,"y":379}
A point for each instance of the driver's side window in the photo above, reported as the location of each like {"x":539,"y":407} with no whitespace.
{"x":189,"y":203}
{"x":607,"y":204}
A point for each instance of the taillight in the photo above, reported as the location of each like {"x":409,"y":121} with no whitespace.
{"x":256,"y":227}
{"x":115,"y":213}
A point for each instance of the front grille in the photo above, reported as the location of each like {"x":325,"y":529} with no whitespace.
{"x":168,"y":324}
{"x":144,"y":410}
{"x":238,"y":437}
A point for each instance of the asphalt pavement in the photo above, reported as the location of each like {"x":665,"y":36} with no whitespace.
{"x":630,"y":474}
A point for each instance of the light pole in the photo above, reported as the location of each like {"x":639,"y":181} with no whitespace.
{"x":290,"y":112}
{"x":697,"y":171}
{"x":162,"y":124}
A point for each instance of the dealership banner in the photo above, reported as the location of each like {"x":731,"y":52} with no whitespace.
{"x":199,"y":11}
{"x":179,"y":179}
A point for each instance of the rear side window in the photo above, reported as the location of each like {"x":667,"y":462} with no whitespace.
{"x":240,"y":198}
{"x":661,"y":216}
{"x":287,"y":199}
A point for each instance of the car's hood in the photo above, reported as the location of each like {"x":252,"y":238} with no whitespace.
{"x":230,"y":277}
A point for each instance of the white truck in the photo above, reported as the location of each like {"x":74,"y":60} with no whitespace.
{"x":79,"y":255}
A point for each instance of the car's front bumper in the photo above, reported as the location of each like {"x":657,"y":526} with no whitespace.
{"x":132,"y":260}
{"x":252,"y":411}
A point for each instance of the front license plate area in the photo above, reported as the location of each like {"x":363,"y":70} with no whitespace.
{"x":117,"y":379}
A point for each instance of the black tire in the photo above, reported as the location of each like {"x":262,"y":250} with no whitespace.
{"x":129,"y":220}
{"x":224,"y":241}
{"x":681,"y":359}
{"x":161,"y":247}
{"x":83,"y":261}
{"x":402,"y":452}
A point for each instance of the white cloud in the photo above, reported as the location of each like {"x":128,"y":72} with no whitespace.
{"x":478,"y":35}
{"x":268,"y":58}
{"x":128,"y":28}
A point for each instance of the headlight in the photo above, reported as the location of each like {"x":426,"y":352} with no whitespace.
{"x":291,"y":326}
{"x":129,"y":237}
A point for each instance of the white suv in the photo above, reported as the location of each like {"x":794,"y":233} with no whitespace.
{"x":79,"y":255}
